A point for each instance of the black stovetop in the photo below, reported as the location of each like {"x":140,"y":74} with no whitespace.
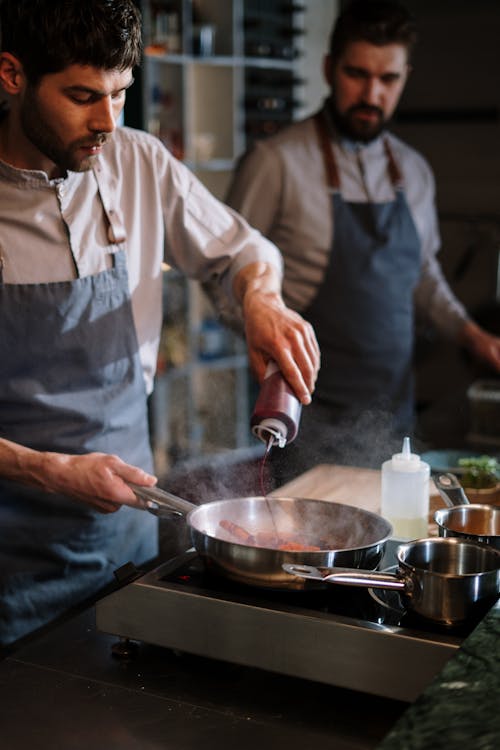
{"x":189,"y":572}
{"x":344,"y":636}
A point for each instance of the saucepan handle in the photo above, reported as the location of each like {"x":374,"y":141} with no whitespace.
{"x":348,"y":576}
{"x":450,"y":490}
{"x":157,"y":500}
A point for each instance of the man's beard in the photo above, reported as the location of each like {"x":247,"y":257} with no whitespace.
{"x":357,"y":129}
{"x":42,"y":135}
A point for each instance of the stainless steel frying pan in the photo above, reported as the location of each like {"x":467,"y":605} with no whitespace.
{"x":347,"y":536}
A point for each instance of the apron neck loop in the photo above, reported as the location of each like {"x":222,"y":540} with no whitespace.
{"x":332,"y":174}
{"x":392,"y":167}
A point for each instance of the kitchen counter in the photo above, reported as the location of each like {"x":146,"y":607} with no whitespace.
{"x":461,"y":707}
{"x":65,"y":689}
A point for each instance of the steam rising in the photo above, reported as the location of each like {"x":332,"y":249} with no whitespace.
{"x":366,"y":439}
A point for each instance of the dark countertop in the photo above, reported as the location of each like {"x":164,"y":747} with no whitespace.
{"x":65,"y":691}
{"x":461,"y":707}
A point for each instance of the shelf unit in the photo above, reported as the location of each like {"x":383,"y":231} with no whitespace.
{"x":206,"y":98}
{"x":196,"y":96}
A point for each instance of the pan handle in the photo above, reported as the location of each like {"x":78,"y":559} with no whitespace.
{"x":349,"y":577}
{"x":160,"y":500}
{"x":450,"y":490}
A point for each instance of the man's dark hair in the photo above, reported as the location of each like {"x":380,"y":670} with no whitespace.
{"x":48,"y":35}
{"x":376,"y":21}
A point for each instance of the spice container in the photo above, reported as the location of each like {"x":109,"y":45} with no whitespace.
{"x":276,"y":415}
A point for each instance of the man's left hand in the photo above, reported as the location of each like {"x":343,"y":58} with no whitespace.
{"x":483,"y":345}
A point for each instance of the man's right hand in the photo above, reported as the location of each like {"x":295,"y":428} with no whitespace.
{"x":98,"y":479}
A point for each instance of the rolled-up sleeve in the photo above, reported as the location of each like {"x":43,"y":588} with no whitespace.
{"x":434,"y":299}
{"x":256,"y":187}
{"x":205,"y":238}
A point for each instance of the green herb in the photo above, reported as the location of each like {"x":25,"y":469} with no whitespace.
{"x":481,"y":472}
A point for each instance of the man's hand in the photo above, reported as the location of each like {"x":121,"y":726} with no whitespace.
{"x":97,"y":479}
{"x":481,"y":344}
{"x":274,"y":331}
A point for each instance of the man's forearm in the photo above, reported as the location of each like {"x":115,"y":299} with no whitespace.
{"x":94,"y":478}
{"x":258,"y":277}
{"x":21,"y":464}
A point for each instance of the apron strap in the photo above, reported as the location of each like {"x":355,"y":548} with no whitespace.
{"x":332,"y":173}
{"x":394,"y":172}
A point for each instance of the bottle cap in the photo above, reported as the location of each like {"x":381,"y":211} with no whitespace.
{"x":271,"y":428}
{"x":406,"y":460}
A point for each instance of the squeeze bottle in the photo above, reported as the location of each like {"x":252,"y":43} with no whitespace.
{"x":276,"y":415}
{"x":405,"y":493}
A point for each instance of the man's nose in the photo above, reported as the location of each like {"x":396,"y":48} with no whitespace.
{"x":103,"y":118}
{"x":372,"y":92}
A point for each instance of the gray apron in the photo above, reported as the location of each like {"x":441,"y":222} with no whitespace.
{"x":70,"y":381}
{"x":363,"y":319}
{"x":363,"y":311}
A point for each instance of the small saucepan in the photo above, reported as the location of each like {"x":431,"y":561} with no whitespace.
{"x":444,"y":580}
{"x":464,"y":520}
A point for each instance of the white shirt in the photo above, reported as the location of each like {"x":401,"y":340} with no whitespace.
{"x":57,"y":230}
{"x":280,"y":187}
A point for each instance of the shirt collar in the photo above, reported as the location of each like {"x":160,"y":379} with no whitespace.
{"x":31,"y":177}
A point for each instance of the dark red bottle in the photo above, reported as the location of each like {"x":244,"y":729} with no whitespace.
{"x":276,"y":415}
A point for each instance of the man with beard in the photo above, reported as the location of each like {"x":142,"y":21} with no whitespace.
{"x":88,"y":212}
{"x":352,"y":209}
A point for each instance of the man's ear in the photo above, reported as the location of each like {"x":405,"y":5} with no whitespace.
{"x":328,"y":70}
{"x":11,"y":74}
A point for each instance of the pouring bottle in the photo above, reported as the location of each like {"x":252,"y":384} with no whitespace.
{"x":276,"y":415}
{"x":405,"y":493}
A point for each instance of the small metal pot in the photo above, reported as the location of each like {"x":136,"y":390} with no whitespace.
{"x":479,"y":523}
{"x":444,"y":580}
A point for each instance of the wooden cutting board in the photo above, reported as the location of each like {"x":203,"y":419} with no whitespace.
{"x":349,"y":485}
